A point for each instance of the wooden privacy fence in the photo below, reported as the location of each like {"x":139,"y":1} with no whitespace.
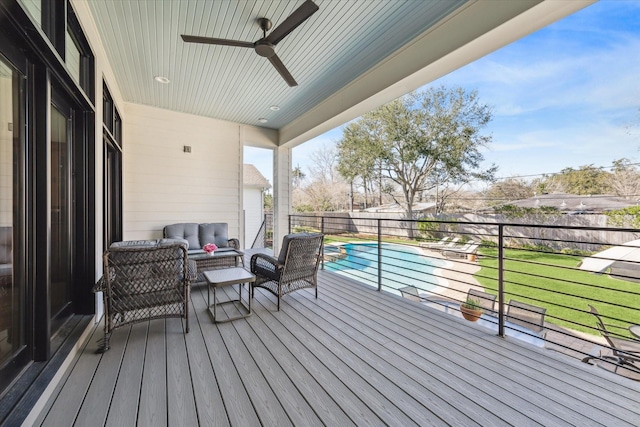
{"x":576,"y":232}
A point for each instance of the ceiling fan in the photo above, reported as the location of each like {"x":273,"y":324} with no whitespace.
{"x":266,"y":45}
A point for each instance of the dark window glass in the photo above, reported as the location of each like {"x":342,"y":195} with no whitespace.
{"x":12,"y":291}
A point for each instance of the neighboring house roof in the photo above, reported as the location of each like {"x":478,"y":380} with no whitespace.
{"x":396,"y":208}
{"x":573,"y":203}
{"x":253,"y":178}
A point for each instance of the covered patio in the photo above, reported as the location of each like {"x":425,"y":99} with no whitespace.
{"x":154,"y":132}
{"x":354,"y":356}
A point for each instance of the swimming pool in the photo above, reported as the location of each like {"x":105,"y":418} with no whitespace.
{"x":401,"y":266}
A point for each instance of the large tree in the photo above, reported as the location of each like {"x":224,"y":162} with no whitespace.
{"x":324,"y":190}
{"x":585,"y":180}
{"x":625,"y":179}
{"x":508,"y":190}
{"x":426,"y":140}
{"x":358,"y":160}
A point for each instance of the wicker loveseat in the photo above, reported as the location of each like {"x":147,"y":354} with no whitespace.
{"x":198,"y":235}
{"x":144,"y":280}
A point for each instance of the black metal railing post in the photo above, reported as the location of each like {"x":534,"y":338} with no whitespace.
{"x":322,"y":248}
{"x":501,"y":280}
{"x":379,"y":255}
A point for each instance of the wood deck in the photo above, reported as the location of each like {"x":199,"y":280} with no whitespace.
{"x":352,"y":357}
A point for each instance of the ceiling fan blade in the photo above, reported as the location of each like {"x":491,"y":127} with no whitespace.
{"x":300,"y":15}
{"x":283,"y":70}
{"x":210,"y":40}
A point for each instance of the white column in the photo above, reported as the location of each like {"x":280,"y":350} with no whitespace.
{"x":281,"y":195}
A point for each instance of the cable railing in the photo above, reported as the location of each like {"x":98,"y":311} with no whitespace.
{"x":559,"y":270}
{"x":264,"y":236}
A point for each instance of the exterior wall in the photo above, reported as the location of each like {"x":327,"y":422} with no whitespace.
{"x":164,"y":185}
{"x":253,"y":214}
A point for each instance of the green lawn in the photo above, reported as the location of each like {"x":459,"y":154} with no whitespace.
{"x":562,"y":291}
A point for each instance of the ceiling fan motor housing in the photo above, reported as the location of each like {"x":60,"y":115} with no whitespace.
{"x":264,"y":48}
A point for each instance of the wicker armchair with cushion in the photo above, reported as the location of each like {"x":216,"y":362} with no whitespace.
{"x":295,"y":268}
{"x":144,"y":280}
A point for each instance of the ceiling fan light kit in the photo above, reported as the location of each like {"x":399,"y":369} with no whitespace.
{"x":265,"y":47}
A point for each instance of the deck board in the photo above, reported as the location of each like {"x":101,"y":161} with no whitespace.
{"x":152,"y":410}
{"x":181,"y":406}
{"x":208,"y":399}
{"x":70,"y":400}
{"x":353,"y":356}
{"x":523,"y":368}
{"x":238,"y":406}
{"x":103,"y":383}
{"x":123,"y":410}
{"x":465,"y":358}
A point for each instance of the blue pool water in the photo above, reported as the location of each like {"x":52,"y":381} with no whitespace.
{"x":401,"y":266}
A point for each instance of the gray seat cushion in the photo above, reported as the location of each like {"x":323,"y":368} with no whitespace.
{"x":188,"y":231}
{"x":215,"y":232}
{"x":285,"y":244}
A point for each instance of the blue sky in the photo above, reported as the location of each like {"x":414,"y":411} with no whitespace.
{"x":565,"y":96}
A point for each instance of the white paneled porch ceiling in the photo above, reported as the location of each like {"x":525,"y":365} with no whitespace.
{"x":348,"y":57}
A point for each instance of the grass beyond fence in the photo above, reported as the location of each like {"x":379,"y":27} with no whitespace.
{"x":543,"y":279}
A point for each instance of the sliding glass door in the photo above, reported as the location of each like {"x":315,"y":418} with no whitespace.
{"x":61,"y":215}
{"x":13,"y":308}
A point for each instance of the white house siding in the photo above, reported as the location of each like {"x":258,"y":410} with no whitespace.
{"x":164,"y":185}
{"x":253,"y":214}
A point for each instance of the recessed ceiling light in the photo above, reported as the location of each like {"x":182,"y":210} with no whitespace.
{"x":262,"y":120}
{"x":274,"y":108}
{"x":162,"y":79}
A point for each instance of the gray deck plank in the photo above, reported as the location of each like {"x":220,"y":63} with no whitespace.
{"x":209,"y":403}
{"x":347,"y":366}
{"x":400,"y":366}
{"x":353,"y":356}
{"x":419,"y":403}
{"x":181,"y":405}
{"x":525,"y":370}
{"x":238,"y":405}
{"x":68,"y":404}
{"x":152,"y":411}
{"x":301,"y":370}
{"x":126,"y":396}
{"x":282,"y":388}
{"x":434,"y":369}
{"x":270,"y":410}
{"x":272,"y":329}
{"x":522,"y":361}
{"x":102,"y":386}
